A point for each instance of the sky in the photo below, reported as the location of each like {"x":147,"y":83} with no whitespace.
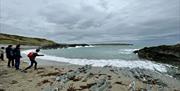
{"x":93,"y":21}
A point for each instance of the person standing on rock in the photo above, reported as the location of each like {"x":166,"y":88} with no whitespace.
{"x":17,"y":56}
{"x":9,"y":55}
{"x":2,"y":53}
{"x":32,"y":56}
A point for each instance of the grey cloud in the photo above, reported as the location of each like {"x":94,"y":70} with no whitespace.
{"x":84,"y":17}
{"x":77,"y":21}
{"x":103,"y":4}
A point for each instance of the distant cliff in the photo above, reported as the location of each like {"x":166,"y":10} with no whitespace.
{"x":82,"y":45}
{"x":55,"y":46}
{"x":15,"y":39}
{"x":164,"y":53}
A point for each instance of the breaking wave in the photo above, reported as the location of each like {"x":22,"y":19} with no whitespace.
{"x":126,"y":51}
{"x":104,"y":62}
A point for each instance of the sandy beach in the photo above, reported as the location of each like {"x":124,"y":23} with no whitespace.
{"x":49,"y":77}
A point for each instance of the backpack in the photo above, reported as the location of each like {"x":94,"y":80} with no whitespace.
{"x":30,"y":55}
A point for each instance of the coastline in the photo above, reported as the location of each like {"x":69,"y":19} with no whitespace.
{"x":48,"y":71}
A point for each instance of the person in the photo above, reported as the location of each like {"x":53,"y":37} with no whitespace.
{"x":17,"y":56}
{"x":32,"y":56}
{"x":9,"y":55}
{"x":2,"y":53}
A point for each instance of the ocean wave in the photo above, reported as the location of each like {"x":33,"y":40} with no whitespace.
{"x":126,"y":51}
{"x":100,"y":63}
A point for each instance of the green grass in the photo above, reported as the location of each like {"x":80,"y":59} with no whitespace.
{"x":15,"y":39}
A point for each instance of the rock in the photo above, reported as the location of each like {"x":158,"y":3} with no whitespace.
{"x":39,"y":72}
{"x":43,"y":82}
{"x":120,"y":83}
{"x":132,"y":86}
{"x":145,"y":77}
{"x":30,"y":80}
{"x":87,"y":86}
{"x":71,"y":88}
{"x":88,"y":76}
{"x":109,"y":77}
{"x":72,"y":75}
{"x":164,"y":53}
{"x":14,"y":82}
{"x":41,"y":68}
{"x":2,"y":89}
{"x":55,"y":46}
{"x":101,"y":85}
{"x":77,"y":79}
{"x":50,"y":88}
{"x":51,"y":74}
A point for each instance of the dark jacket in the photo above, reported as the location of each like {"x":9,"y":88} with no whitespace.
{"x":17,"y":53}
{"x":9,"y":52}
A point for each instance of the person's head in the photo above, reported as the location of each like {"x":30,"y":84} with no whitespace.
{"x":2,"y":47}
{"x":18,"y":46}
{"x":9,"y":46}
{"x":37,"y":50}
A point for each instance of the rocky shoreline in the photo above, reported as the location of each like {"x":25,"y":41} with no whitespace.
{"x":84,"y":78}
{"x":169,"y":54}
{"x":55,"y":46}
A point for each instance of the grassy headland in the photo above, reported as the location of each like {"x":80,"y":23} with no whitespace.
{"x":16,"y":39}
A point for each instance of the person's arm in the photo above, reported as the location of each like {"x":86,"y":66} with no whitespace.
{"x":39,"y":54}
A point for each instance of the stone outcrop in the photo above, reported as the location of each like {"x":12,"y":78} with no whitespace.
{"x":165,"y":53}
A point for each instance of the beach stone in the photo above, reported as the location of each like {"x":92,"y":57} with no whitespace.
{"x":132,"y":86}
{"x":145,"y":77}
{"x":14,"y":82}
{"x":51,"y":89}
{"x":89,"y":75}
{"x":101,"y":85}
{"x":72,"y":75}
{"x":58,"y":78}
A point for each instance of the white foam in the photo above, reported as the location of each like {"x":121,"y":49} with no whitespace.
{"x":27,"y":51}
{"x":100,"y":63}
{"x":126,"y":51}
{"x":80,"y":46}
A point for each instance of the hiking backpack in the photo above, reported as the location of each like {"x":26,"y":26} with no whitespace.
{"x":30,"y":55}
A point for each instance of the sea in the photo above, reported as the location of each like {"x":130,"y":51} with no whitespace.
{"x":102,"y":55}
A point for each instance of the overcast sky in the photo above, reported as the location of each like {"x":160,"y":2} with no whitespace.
{"x":93,"y":21}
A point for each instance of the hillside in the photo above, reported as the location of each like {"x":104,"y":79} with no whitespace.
{"x":15,"y":39}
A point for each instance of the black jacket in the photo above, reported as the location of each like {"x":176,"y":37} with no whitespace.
{"x":9,"y":52}
{"x":17,"y":53}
